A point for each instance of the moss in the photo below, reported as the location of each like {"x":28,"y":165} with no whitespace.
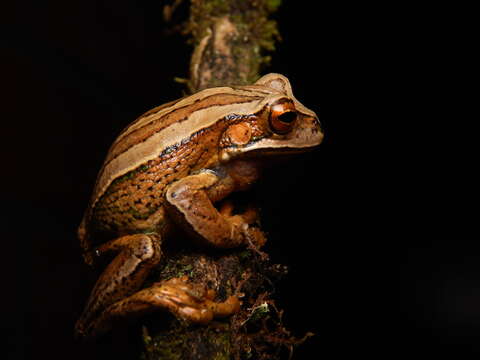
{"x":216,"y":7}
{"x":187,"y":342}
{"x":258,"y":34}
{"x":273,"y":5}
{"x":254,"y":36}
{"x":221,"y":343}
{"x":269,"y":35}
{"x":244,"y":255}
{"x":177,"y":269}
{"x":163,"y":346}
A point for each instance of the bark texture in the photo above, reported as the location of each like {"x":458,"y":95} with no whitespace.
{"x":230,"y":39}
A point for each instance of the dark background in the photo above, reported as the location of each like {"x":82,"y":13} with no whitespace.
{"x":379,"y":226}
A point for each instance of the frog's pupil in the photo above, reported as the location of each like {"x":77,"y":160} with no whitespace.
{"x":287,"y":117}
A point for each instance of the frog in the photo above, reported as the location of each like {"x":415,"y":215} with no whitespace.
{"x":175,"y":167}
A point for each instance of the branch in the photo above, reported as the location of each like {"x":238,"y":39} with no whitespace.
{"x":230,"y":39}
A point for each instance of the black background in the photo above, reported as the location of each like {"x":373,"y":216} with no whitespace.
{"x":379,"y":226}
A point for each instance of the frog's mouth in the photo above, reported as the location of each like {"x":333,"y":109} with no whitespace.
{"x":281,"y":151}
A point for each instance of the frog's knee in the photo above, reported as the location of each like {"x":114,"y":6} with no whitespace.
{"x":147,"y":248}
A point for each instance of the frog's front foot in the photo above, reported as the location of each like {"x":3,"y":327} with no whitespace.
{"x":248,"y":221}
{"x":191,"y":302}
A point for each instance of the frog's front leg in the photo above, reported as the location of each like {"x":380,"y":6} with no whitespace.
{"x":191,"y":200}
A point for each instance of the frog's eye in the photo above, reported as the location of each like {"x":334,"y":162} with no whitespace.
{"x":282,"y":118}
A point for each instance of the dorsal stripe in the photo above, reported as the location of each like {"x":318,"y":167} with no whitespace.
{"x":180,"y":125}
{"x":169,"y":117}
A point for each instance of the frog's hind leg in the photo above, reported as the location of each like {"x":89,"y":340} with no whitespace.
{"x":137,"y":254}
{"x":191,"y":302}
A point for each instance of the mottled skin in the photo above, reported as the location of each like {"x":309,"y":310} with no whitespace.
{"x":179,"y":188}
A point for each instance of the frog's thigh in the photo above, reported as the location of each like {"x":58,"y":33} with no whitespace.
{"x":191,"y":199}
{"x":137,"y":254}
{"x":175,"y":295}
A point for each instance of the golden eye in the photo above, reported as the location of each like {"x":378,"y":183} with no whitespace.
{"x":282,"y":118}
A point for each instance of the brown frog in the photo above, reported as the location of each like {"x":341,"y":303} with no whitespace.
{"x":169,"y":169}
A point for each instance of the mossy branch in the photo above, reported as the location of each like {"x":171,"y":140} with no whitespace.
{"x":231,"y":40}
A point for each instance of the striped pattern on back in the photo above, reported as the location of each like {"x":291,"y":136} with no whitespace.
{"x":148,"y":136}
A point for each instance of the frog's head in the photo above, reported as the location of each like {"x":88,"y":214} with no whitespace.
{"x":277,"y":123}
